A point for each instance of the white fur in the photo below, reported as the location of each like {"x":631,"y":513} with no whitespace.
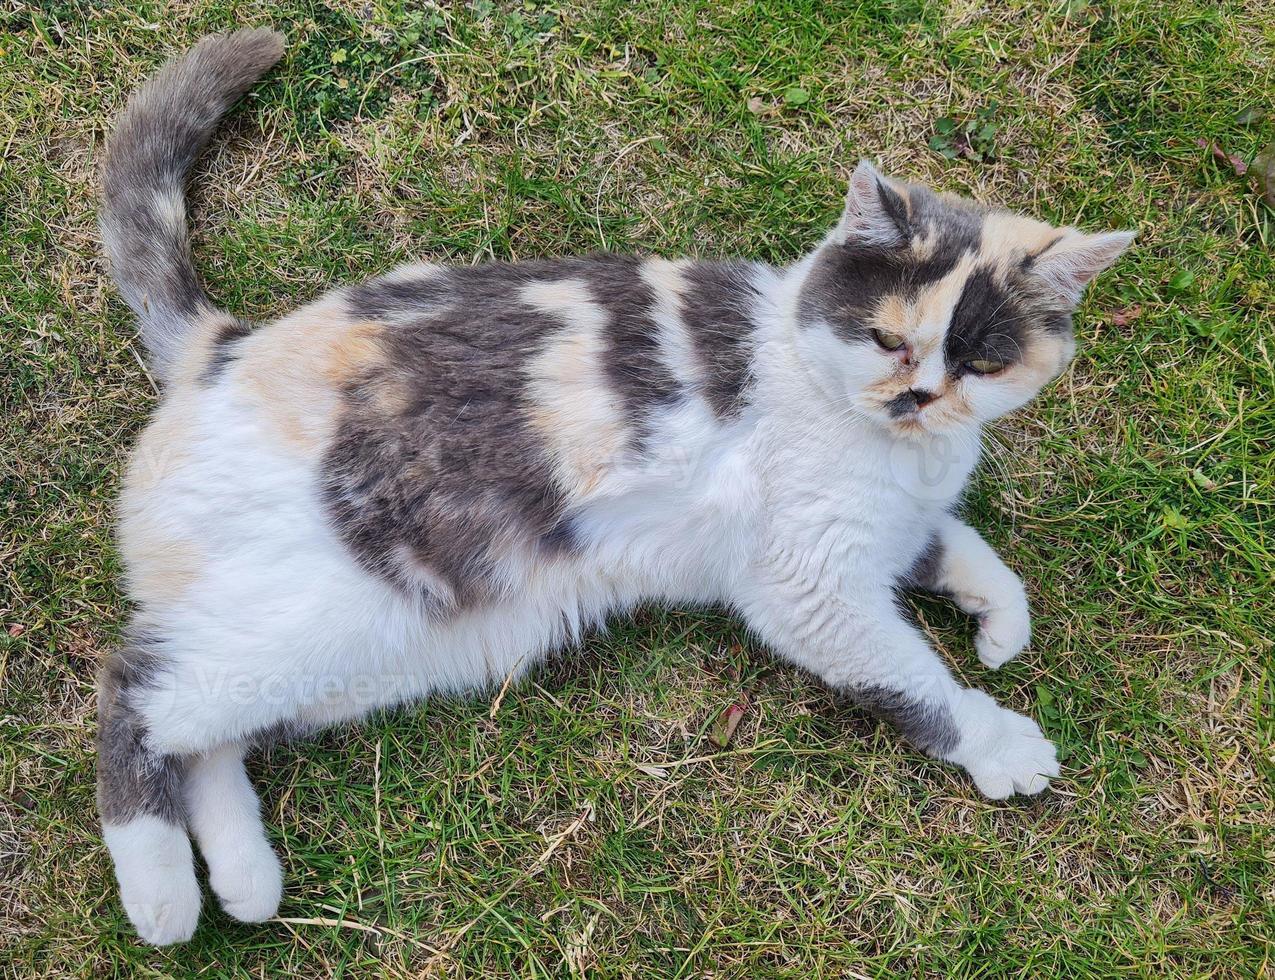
{"x":225,"y":820}
{"x":156,"y":873}
{"x":982,"y":586}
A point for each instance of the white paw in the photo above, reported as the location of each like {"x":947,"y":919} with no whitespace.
{"x":1004,"y":751}
{"x":156,"y":872}
{"x":1003,"y":633}
{"x":166,"y":913}
{"x":247,"y":879}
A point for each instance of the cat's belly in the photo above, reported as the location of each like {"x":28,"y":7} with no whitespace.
{"x":264,"y":616}
{"x":309,"y":636}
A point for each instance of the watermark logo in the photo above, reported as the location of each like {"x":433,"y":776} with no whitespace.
{"x":934,"y":469}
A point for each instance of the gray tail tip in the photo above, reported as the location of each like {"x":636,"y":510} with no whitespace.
{"x":265,"y":40}
{"x":261,"y":45}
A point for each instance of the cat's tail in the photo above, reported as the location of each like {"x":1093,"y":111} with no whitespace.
{"x":165,"y":127}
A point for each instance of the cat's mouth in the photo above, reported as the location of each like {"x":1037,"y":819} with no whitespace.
{"x":928,"y":423}
{"x":911,"y":425}
{"x":902,"y":414}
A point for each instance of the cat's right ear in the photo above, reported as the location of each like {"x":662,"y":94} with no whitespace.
{"x":875,"y":213}
{"x":1071,"y":262}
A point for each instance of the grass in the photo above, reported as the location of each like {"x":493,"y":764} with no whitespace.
{"x":586,"y":825}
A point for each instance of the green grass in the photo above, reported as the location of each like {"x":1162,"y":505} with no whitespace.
{"x":589,"y":826}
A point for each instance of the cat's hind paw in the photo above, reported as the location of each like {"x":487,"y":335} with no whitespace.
{"x":248,"y":880}
{"x":156,"y":872}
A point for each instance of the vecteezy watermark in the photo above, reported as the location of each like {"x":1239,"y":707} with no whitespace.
{"x":934,"y":468}
{"x":249,"y":693}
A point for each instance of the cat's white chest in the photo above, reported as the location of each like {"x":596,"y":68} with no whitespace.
{"x":861,"y":504}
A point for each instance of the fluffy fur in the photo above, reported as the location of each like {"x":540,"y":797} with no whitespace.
{"x":428,"y":481}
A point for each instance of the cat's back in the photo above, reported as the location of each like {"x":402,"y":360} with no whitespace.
{"x":438,"y":416}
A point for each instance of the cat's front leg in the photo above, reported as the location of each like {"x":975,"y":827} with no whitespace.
{"x":856,"y":641}
{"x":960,"y":564}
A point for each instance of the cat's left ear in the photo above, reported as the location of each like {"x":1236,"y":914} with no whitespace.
{"x":1072,"y":262}
{"x":875,"y":213}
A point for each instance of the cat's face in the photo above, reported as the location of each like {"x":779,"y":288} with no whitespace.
{"x":929,"y":313}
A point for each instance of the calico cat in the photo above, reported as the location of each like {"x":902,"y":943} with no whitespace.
{"x":430,"y":480}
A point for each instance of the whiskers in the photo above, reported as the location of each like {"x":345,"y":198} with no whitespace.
{"x":1003,"y":447}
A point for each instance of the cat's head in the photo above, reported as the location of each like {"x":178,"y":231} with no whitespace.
{"x":930,"y":313}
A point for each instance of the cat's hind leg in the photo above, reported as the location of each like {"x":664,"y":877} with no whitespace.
{"x":139,"y":794}
{"x":225,"y":820}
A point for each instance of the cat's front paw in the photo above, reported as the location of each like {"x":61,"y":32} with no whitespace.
{"x":1003,"y":633}
{"x":1003,"y":751}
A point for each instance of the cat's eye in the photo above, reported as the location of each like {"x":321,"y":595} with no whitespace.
{"x":980,"y":366}
{"x":890,"y":341}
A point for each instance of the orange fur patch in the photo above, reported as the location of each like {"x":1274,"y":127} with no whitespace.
{"x":161,"y":567}
{"x":295,"y":368}
{"x":1008,"y":237}
{"x":161,"y":563}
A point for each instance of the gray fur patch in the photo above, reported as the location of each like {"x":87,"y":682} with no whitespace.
{"x":989,"y":322}
{"x":928,"y":726}
{"x":165,"y":127}
{"x":717,"y":311}
{"x":904,"y":403}
{"x":925,"y":571}
{"x":439,"y":491}
{"x":633,"y":363}
{"x":132,"y":780}
{"x":849,"y":280}
{"x":391,"y":297}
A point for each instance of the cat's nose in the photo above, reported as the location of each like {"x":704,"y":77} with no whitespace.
{"x":921,"y":396}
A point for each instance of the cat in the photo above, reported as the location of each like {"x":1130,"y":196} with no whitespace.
{"x":427,"y":481}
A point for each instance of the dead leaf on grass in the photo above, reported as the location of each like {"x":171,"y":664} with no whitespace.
{"x":1221,"y":156}
{"x":1122,"y":318}
{"x":727,"y":722}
